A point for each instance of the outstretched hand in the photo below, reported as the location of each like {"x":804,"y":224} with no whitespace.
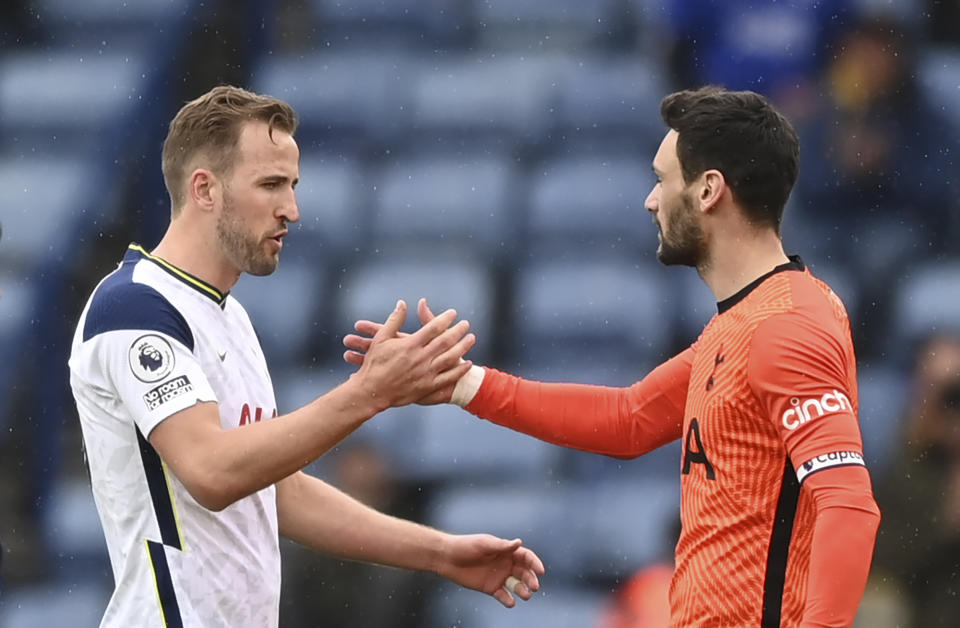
{"x":358,"y":347}
{"x":405,"y":368}
{"x":495,"y":566}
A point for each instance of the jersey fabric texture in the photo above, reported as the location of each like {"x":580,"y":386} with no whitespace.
{"x":764,"y":400}
{"x":152,"y":341}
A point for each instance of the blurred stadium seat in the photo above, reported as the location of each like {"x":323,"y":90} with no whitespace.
{"x":371,"y":22}
{"x":556,"y":606}
{"x":39,"y":196}
{"x":561,"y":23}
{"x":612,"y":95}
{"x":494,"y":100}
{"x":60,"y":100}
{"x":447,"y":201}
{"x":445,"y":444}
{"x":285,"y":309}
{"x":351,"y":98}
{"x":371,"y":289}
{"x":591,"y":309}
{"x":883,"y":406}
{"x":591,"y":204}
{"x":939,"y":75}
{"x":333,"y":200}
{"x":926,"y":302}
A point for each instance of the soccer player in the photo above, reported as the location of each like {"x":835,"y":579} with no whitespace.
{"x":194,"y":474}
{"x":778,"y":516}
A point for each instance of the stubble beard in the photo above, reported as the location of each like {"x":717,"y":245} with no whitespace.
{"x":242,"y":248}
{"x":686,"y":244}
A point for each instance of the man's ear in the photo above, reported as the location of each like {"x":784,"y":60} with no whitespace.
{"x":204,"y":189}
{"x":712,"y":189}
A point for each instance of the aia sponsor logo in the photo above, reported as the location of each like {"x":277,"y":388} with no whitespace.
{"x":254,"y":416}
{"x":807,"y":410}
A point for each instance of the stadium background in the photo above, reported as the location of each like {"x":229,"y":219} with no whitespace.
{"x":492,"y":155}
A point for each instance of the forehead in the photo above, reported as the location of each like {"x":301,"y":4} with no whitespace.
{"x":666,"y":157}
{"x":257,"y":148}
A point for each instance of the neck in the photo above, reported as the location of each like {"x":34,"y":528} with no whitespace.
{"x":736,"y":261}
{"x":195,"y":250}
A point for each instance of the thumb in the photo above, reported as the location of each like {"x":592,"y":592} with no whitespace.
{"x":394,"y":322}
{"x":424,"y":313}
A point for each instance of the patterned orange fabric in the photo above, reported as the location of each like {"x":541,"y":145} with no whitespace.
{"x":766,"y":394}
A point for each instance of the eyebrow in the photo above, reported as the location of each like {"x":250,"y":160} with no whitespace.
{"x":655,"y":171}
{"x":278,"y":178}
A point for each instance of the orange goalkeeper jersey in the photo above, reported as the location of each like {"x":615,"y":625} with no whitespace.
{"x":765,"y":397}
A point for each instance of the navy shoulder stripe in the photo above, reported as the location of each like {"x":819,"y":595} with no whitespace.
{"x":120,"y":303}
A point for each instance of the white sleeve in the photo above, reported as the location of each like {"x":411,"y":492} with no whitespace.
{"x":153,"y":374}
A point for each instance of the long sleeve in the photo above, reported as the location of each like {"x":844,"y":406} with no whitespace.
{"x":843,"y":537}
{"x":621,"y":422}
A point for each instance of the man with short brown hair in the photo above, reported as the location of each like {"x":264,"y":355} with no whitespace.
{"x":193,"y":472}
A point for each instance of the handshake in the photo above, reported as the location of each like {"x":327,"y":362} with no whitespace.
{"x":424,"y":367}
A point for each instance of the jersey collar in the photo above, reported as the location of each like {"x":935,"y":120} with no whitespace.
{"x":795,"y":263}
{"x":135,"y":252}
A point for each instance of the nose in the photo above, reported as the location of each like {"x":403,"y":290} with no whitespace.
{"x":290,"y":212}
{"x":653,"y":199}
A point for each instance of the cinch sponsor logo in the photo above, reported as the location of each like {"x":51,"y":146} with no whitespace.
{"x":167,"y":391}
{"x":810,"y":409}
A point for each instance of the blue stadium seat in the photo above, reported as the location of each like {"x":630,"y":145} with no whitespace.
{"x":343,"y":98}
{"x":498,"y":100}
{"x":81,"y":603}
{"x":74,"y":535}
{"x":614,"y":94}
{"x":561,"y":23}
{"x":370,"y":291}
{"x":939,"y":74}
{"x":445,"y":444}
{"x":333,"y":207}
{"x":592,"y":308}
{"x":883,"y":405}
{"x":373,"y":21}
{"x":696,"y":304}
{"x":557,"y":605}
{"x":285,"y":309}
{"x":927,"y":301}
{"x":447,"y":200}
{"x":592,"y":202}
{"x":18,"y":300}
{"x":108,"y":22}
{"x":40,"y":196}
{"x":61,"y":100}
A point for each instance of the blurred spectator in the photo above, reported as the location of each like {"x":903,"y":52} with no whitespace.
{"x":880,"y":174}
{"x":919,"y":540}
{"x":320,"y":590}
{"x":776,"y":48}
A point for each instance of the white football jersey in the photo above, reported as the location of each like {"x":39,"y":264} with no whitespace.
{"x":154,"y":340}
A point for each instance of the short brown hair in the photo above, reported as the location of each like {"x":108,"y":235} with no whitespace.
{"x":743,"y":136}
{"x":211,"y":125}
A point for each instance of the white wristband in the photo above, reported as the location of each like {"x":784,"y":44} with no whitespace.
{"x":467,"y":386}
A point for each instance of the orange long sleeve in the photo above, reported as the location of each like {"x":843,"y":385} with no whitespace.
{"x":844,"y":533}
{"x":620,"y":422}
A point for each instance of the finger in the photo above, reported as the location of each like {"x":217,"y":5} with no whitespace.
{"x":369,"y":328}
{"x":435,"y":327}
{"x":423,"y":312}
{"x":452,"y":376}
{"x":357,"y":343}
{"x":353,"y":357}
{"x":503,"y":596}
{"x":447,"y":339}
{"x":518,"y":588}
{"x":452,"y":356}
{"x":526,"y":558}
{"x":394,"y":322}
